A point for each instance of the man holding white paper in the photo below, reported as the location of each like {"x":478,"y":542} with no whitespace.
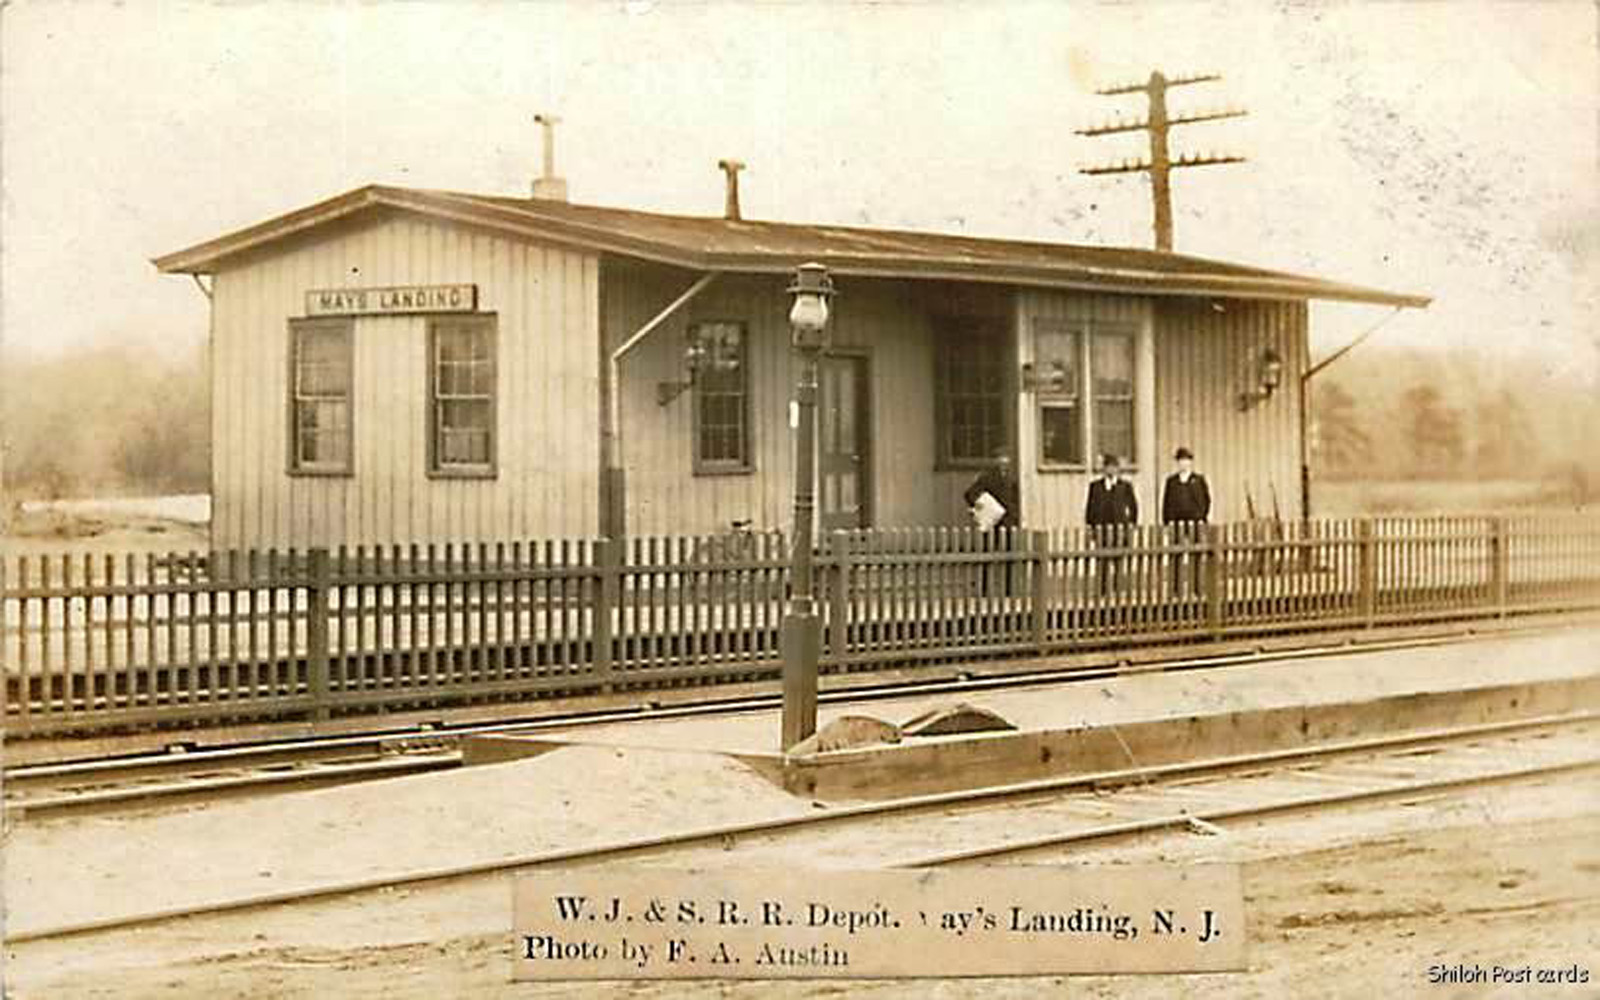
{"x":995,"y":499}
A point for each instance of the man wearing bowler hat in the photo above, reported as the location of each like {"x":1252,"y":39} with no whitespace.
{"x":1110,"y":512}
{"x":1185,"y":508}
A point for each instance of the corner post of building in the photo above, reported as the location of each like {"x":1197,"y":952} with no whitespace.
{"x":607,"y":569}
{"x":613,"y":478}
{"x":1499,"y":565}
{"x":1367,"y":567}
{"x":1215,"y":580}
{"x":1038,"y":591}
{"x":320,"y":583}
{"x":839,"y":597}
{"x":613,"y":502}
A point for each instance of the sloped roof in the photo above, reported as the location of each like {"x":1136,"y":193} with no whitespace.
{"x":751,"y":246}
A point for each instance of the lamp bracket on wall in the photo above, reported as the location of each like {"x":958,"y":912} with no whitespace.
{"x":716,"y":347}
{"x":666,"y":392}
{"x":1268,"y":375}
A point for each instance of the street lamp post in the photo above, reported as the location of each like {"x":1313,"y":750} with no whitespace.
{"x":812,"y":292}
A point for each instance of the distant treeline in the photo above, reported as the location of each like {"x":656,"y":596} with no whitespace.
{"x":1395,"y":413}
{"x":111,"y":421}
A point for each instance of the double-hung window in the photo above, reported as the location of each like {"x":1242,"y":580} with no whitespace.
{"x":969,"y":395}
{"x":721,"y":410}
{"x":1111,"y":385}
{"x":462,"y":394}
{"x":1085,"y":393}
{"x":1057,"y":352}
{"x":320,"y":384}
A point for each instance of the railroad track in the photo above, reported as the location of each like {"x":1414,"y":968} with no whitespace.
{"x":186,"y":774}
{"x":987,"y":824}
{"x":93,"y":790}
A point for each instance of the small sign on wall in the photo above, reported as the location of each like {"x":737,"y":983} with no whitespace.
{"x":395,"y":300}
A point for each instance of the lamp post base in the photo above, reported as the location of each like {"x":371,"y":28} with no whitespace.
{"x":802,"y":649}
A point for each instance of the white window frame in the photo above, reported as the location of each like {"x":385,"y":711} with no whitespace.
{"x":438,"y":467}
{"x":1081,"y":395}
{"x":300,"y":398}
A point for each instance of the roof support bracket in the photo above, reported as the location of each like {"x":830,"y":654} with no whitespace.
{"x":612,"y":435}
{"x":1346,"y":349}
{"x":664,"y":315}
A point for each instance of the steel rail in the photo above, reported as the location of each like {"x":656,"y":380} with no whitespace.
{"x":1156,"y":824}
{"x":941,"y":800}
{"x":319,"y":774}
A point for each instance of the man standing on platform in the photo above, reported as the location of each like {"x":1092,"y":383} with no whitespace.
{"x":1111,"y":511}
{"x":1185,"y":508}
{"x":994,"y":499}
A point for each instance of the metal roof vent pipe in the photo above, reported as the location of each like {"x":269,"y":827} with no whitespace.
{"x":549,"y":187}
{"x":730,"y":205}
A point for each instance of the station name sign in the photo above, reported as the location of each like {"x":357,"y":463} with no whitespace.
{"x":392,"y":301}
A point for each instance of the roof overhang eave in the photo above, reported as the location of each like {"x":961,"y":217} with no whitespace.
{"x":204,"y":258}
{"x":1077,"y":279}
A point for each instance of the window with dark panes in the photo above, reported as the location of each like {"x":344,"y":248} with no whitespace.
{"x":462,"y":386}
{"x":1057,"y":351}
{"x":319,"y":396}
{"x":969,"y":393}
{"x":722,"y":399}
{"x":1111,"y":379}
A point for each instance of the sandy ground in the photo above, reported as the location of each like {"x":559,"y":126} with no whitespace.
{"x":96,"y":527}
{"x":1360,"y":904}
{"x":1356,"y":497}
{"x":1333,"y":680}
{"x":187,"y":508}
{"x":69,"y":872}
{"x":589,"y":794}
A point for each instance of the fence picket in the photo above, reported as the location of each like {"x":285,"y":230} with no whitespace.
{"x":24,"y":698}
{"x":90,"y":638}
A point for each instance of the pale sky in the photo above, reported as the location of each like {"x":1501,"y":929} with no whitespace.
{"x":1447,"y":148}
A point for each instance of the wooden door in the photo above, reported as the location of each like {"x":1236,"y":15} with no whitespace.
{"x":843,"y":487}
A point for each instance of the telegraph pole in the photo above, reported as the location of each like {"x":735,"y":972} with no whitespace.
{"x":1160,"y":164}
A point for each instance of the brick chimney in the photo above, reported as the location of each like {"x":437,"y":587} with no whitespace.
{"x":730,"y":205}
{"x":549,"y":187}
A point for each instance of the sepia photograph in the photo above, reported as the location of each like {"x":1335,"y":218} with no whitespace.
{"x":800,"y":499}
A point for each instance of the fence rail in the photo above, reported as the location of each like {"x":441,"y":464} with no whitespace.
{"x":97,"y":643}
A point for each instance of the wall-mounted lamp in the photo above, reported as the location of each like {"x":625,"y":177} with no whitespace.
{"x":1269,"y":375}
{"x":706,"y":347}
{"x":1050,"y":378}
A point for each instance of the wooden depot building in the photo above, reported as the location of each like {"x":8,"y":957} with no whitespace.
{"x":396,"y":365}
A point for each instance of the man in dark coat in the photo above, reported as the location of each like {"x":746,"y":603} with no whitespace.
{"x":1185,"y":508}
{"x":1001,"y":483}
{"x":1110,"y":512}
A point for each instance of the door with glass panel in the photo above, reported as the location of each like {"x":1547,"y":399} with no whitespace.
{"x":842,"y":448}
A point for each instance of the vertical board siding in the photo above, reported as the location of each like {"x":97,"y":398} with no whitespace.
{"x":1205,"y":357}
{"x":548,"y":394}
{"x":882,"y":321}
{"x":1054,"y":498}
{"x":1191,"y":363}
